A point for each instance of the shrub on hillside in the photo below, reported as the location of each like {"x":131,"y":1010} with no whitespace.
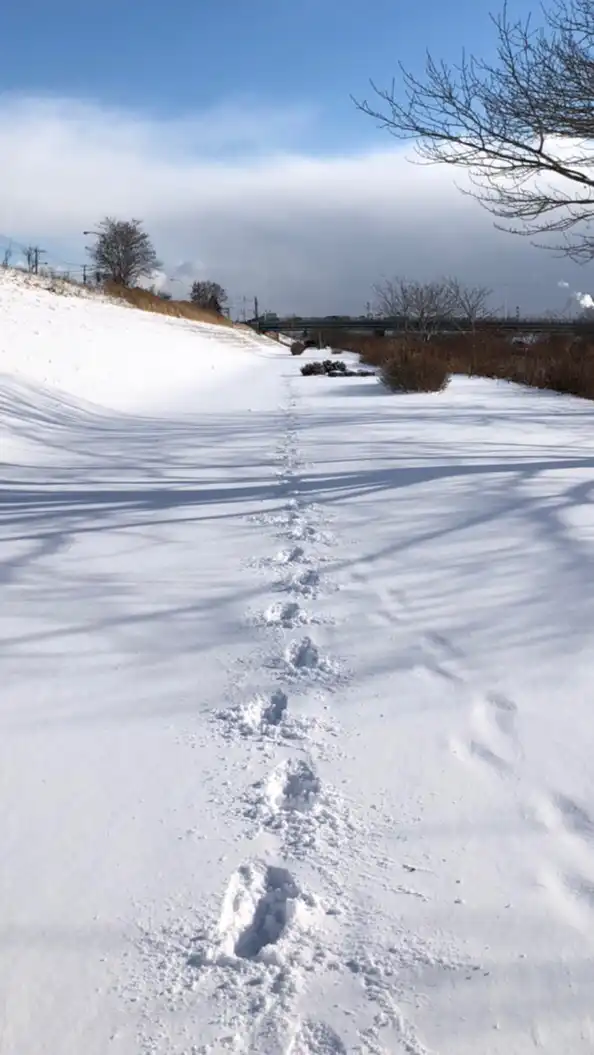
{"x":209,"y":295}
{"x":415,"y":372}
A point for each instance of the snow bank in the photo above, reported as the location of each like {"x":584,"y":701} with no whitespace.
{"x":110,"y":354}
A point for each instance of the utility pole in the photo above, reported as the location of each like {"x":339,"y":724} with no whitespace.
{"x":37,"y":252}
{"x":256,"y":316}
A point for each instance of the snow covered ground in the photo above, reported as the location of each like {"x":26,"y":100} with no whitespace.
{"x":296,"y":719}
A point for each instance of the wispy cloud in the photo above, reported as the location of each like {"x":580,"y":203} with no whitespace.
{"x":232,"y":193}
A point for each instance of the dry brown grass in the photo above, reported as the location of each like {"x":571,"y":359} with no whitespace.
{"x":179,"y":309}
{"x":557,"y":362}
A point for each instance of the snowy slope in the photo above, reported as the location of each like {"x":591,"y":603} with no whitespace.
{"x":296,"y":722}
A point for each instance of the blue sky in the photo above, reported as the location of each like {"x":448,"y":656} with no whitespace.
{"x":180,"y":56}
{"x":229,"y":130}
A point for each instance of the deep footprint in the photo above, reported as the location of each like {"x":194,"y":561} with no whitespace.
{"x":295,"y":804}
{"x":287,"y":615}
{"x":307,"y":583}
{"x":303,"y":655}
{"x":301,"y":786}
{"x":303,"y":660}
{"x":259,"y":716}
{"x":293,"y":787}
{"x":275,"y":892}
{"x":276,"y":708}
{"x":296,"y":555}
{"x":306,"y":580}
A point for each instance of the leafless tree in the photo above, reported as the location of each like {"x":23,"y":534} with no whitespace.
{"x":422,"y":304}
{"x":523,"y":126}
{"x":470,"y":302}
{"x":123,"y":252}
{"x":7,"y":257}
{"x":209,"y":295}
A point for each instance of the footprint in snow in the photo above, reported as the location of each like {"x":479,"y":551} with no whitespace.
{"x":287,"y":615}
{"x":293,"y":803}
{"x":267,"y":718}
{"x":304,"y":659}
{"x":258,"y":716}
{"x":263,"y":909}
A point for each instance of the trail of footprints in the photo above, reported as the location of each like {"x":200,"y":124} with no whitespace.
{"x":268,"y":926}
{"x":268,"y":935}
{"x":569,"y":877}
{"x":493,"y":743}
{"x":272,"y":932}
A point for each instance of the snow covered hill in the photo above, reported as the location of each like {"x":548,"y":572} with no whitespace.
{"x":296,"y":713}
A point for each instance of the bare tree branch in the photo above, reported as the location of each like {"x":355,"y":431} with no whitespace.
{"x":422,"y":304}
{"x":470,"y":302}
{"x":523,"y":126}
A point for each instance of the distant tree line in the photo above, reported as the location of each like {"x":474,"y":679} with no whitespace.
{"x":428,"y":303}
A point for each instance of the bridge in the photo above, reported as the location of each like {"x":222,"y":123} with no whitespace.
{"x":312,"y":327}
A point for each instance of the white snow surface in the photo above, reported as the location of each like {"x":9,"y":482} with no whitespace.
{"x":296,"y":711}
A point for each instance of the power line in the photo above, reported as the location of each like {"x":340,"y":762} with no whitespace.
{"x":33,"y":253}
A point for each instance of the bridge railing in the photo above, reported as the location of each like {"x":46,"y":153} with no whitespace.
{"x":382,"y":326}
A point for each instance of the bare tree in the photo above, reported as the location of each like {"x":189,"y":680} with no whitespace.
{"x":421,"y":304}
{"x":209,"y":295}
{"x":123,"y":252}
{"x":470,"y":302}
{"x":523,"y":126}
{"x":7,"y":257}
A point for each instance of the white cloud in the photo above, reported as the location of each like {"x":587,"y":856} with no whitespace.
{"x":224,"y":197}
